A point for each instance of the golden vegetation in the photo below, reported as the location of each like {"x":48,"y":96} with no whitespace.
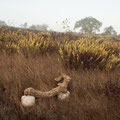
{"x":89,"y":53}
{"x":25,"y":62}
{"x":76,"y":51}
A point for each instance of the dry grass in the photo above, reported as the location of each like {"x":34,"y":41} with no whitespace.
{"x":95,"y":95}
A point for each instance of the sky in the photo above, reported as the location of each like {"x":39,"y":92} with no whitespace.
{"x":51,"y":11}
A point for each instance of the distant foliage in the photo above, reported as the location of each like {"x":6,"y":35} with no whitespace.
{"x":3,"y":23}
{"x":110,"y":31}
{"x":88,"y":25}
{"x":25,"y":25}
{"x":42,"y":27}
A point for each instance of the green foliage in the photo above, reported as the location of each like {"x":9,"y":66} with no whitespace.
{"x":110,"y":31}
{"x":42,"y":27}
{"x":24,"y":25}
{"x":88,"y":25}
{"x":2,"y":23}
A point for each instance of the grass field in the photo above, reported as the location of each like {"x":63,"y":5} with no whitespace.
{"x":35,"y":59}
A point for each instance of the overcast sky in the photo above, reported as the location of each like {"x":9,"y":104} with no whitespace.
{"x":52,"y":11}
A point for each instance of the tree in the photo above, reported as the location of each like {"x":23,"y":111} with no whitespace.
{"x":109,"y":31}
{"x":24,"y":25}
{"x":42,"y":27}
{"x":32,"y":27}
{"x":88,"y":25}
{"x":2,"y":23}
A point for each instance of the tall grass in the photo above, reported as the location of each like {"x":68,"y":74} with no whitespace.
{"x":34,"y":59}
{"x":88,"y":53}
{"x":75,"y":51}
{"x":94,"y":95}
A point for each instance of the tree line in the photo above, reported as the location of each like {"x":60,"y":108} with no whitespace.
{"x":90,"y":25}
{"x":87,"y":25}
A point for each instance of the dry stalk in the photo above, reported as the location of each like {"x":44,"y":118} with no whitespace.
{"x":62,"y":88}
